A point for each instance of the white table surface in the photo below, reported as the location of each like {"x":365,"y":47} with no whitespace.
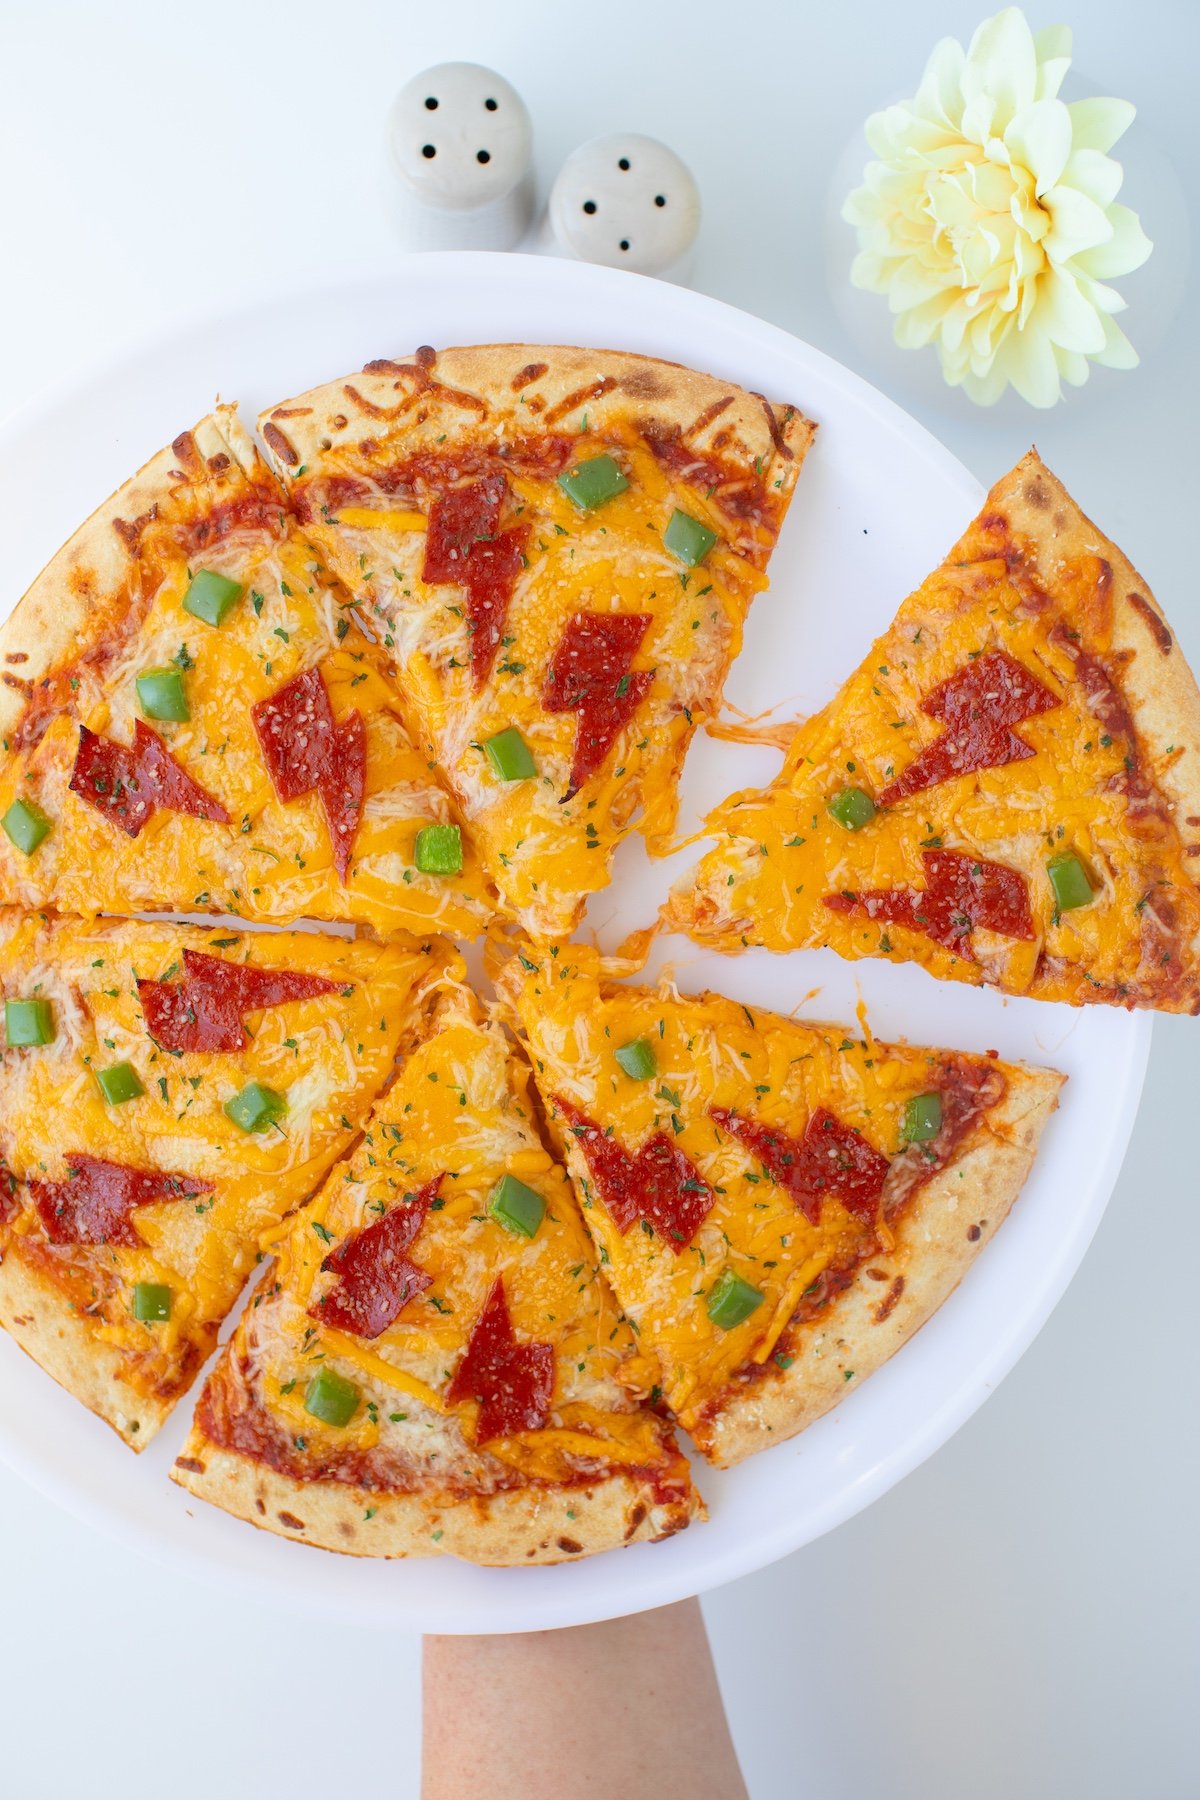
{"x":1020,"y":1616}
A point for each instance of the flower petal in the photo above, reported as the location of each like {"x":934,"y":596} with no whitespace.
{"x":1127,"y":248}
{"x":1031,"y":367}
{"x":1094,"y":174}
{"x":1064,"y":315}
{"x":1098,"y":122}
{"x":1002,"y":64}
{"x":1118,"y":352}
{"x":1040,"y":137}
{"x":940,"y":93}
{"x":1053,"y":50}
{"x":1077,"y":224}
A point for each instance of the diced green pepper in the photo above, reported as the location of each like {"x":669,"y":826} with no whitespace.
{"x":688,"y":539}
{"x":852,"y":808}
{"x":210,"y":596}
{"x":1068,"y":878}
{"x":922,"y":1118}
{"x":439,"y":850}
{"x":28,"y":1022}
{"x":161,"y":695}
{"x":119,"y":1083}
{"x":510,"y":755}
{"x":589,"y":484}
{"x":331,"y":1398}
{"x":731,"y":1300}
{"x":255,"y":1107}
{"x":151,"y":1302}
{"x":637,"y":1059}
{"x":519,"y":1207}
{"x":25,"y":824}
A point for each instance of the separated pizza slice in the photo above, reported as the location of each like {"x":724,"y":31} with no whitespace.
{"x":778,"y":1206}
{"x":559,"y":548}
{"x":1007,"y":789}
{"x":167,"y":1094}
{"x":435,"y":1364}
{"x":190,"y":724}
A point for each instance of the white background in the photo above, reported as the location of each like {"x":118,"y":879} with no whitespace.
{"x":1019,"y":1617}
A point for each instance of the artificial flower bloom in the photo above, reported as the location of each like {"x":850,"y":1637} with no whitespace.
{"x":990,"y":220}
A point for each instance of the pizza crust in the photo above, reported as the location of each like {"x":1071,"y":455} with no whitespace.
{"x":893,"y":1294}
{"x":1159,"y":687}
{"x":82,"y":589}
{"x":512,"y":1528}
{"x":62,"y":1342}
{"x":539,"y":388}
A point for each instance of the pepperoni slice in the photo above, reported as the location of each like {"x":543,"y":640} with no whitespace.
{"x":512,"y":1382}
{"x":491,"y":575}
{"x":344,"y":789}
{"x":128,"y":783}
{"x":307,"y":752}
{"x":962,"y":891}
{"x":591,"y":675}
{"x":660,"y":1184}
{"x":463,"y":543}
{"x":460,"y":518}
{"x":204,"y":1010}
{"x":831,"y":1158}
{"x":978,"y":706}
{"x":377,"y":1279}
{"x":95,"y":1204}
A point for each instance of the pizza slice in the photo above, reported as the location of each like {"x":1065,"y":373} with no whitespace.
{"x":1006,"y":790}
{"x":167,"y":1093}
{"x":559,"y":548}
{"x":778,"y":1206}
{"x":191,"y":723}
{"x":435,"y":1364}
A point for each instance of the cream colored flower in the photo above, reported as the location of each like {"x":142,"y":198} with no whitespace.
{"x":990,"y":220}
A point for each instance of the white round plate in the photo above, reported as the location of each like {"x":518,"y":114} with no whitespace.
{"x":877,"y":506}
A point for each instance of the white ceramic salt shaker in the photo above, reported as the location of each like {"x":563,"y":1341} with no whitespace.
{"x":627,"y":201}
{"x":460,"y":155}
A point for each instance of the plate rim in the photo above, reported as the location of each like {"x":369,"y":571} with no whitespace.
{"x":675,"y":1580}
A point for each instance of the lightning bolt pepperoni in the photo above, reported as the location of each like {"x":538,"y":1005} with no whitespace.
{"x":129,"y":783}
{"x":307,"y":752}
{"x":464,"y":543}
{"x":660,"y":1184}
{"x":96,"y":1202}
{"x":830,"y":1159}
{"x":962,"y":892}
{"x":203,"y":1012}
{"x":512,"y":1382}
{"x":591,"y":674}
{"x":979,"y":707}
{"x":376,"y":1278}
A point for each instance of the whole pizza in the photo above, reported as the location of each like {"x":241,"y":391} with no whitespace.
{"x":289,"y":720}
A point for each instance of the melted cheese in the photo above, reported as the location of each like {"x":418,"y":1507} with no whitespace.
{"x":460,"y":1108}
{"x":709,"y":1052}
{"x":779,"y":852}
{"x":274,"y":861}
{"x":329,"y":1056}
{"x":543,"y":856}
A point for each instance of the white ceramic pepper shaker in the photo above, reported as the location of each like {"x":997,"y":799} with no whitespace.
{"x":627,"y":201}
{"x":460,"y":155}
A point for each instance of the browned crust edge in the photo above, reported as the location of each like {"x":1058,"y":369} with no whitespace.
{"x":61,"y":1342}
{"x":329,"y":421}
{"x":1151,"y":669}
{"x":64,"y":611}
{"x":513,"y":1528}
{"x":938,"y":1237}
